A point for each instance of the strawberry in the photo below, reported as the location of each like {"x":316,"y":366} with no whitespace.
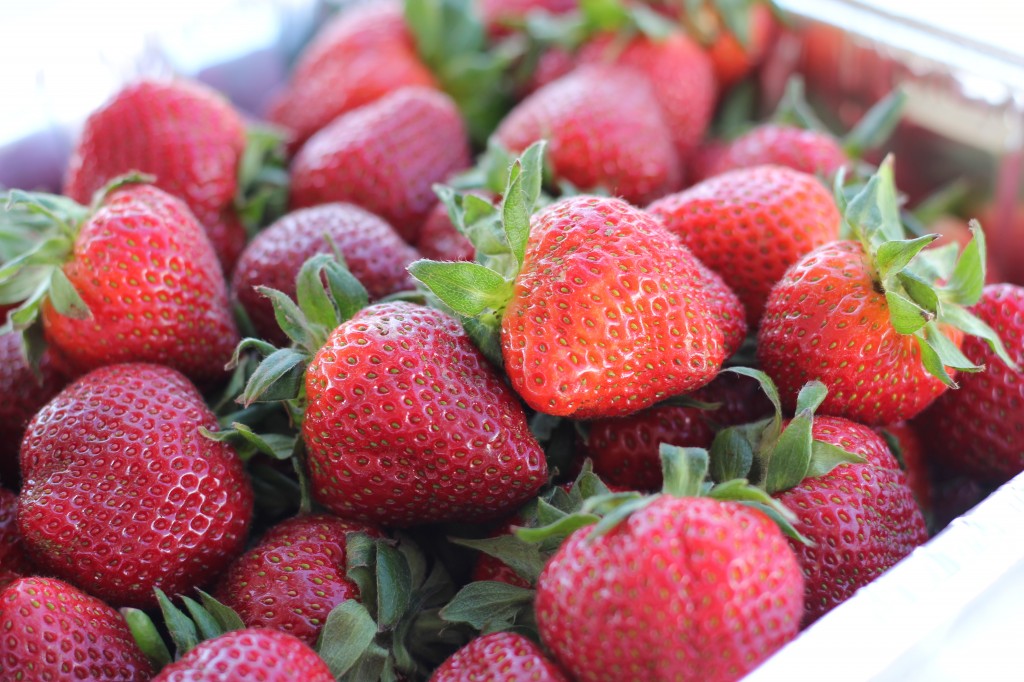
{"x":440,"y":240}
{"x":808,"y":151}
{"x":750,"y":225}
{"x":374,"y":252}
{"x":499,"y":657}
{"x":294,"y":577}
{"x":740,"y":400}
{"x":385,"y":157}
{"x":134,"y":280}
{"x":13,"y":561}
{"x":907,"y":446}
{"x":54,"y":632}
{"x":733,"y":60}
{"x":121,"y":492}
{"x":581,"y":334}
{"x":604,"y":130}
{"x":184,"y":134}
{"x":25,"y":393}
{"x":864,"y":317}
{"x":256,"y":654}
{"x":955,"y":230}
{"x":362,"y":55}
{"x":979,"y":430}
{"x":502,"y":16}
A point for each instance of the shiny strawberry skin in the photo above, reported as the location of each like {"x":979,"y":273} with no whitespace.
{"x":499,"y":657}
{"x":186,"y":135}
{"x":407,"y":423}
{"x":808,"y":151}
{"x":54,"y":632}
{"x":440,"y":240}
{"x":385,"y":157}
{"x":24,"y":394}
{"x":862,"y":518}
{"x":607,"y":315}
{"x":363,"y":55}
{"x":252,"y":655}
{"x":826,"y":320}
{"x":978,"y":430}
{"x":681,"y":76}
{"x":14,"y":562}
{"x":714,"y":583}
{"x":146,"y":270}
{"x":725,"y":307}
{"x":292,"y":579}
{"x":121,"y":492}
{"x":604,"y":130}
{"x":750,"y":225}
{"x":372,"y":250}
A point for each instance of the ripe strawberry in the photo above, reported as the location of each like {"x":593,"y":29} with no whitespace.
{"x":740,"y":400}
{"x":122,"y":493}
{"x":680,"y":74}
{"x":54,"y":632}
{"x":604,"y":130}
{"x":440,"y":240}
{"x":552,"y":64}
{"x":385,"y":157}
{"x":253,"y":654}
{"x":24,"y":394}
{"x":750,"y":225}
{"x":732,"y":60}
{"x":499,"y":657}
{"x":373,"y":251}
{"x":292,"y":579}
{"x":138,"y":282}
{"x":184,"y":134}
{"x":14,"y":562}
{"x":906,"y":443}
{"x":979,"y":429}
{"x":808,"y":151}
{"x":362,"y":55}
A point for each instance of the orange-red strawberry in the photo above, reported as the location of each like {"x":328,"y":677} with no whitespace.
{"x":14,"y":562}
{"x":604,"y":130}
{"x":121,"y":492}
{"x":365,"y":53}
{"x":292,"y":579}
{"x":372,"y":249}
{"x":185,"y":135}
{"x":253,"y":654}
{"x":808,"y":151}
{"x":499,"y":657}
{"x":750,"y":225}
{"x":54,"y":632}
{"x":385,"y":157}
{"x":732,"y":60}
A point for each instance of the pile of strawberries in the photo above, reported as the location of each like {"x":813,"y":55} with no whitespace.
{"x":483,"y":359}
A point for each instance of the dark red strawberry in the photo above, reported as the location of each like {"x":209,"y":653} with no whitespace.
{"x":121,"y":492}
{"x":385,"y":157}
{"x":604,"y":130}
{"x":750,"y":225}
{"x":740,"y":400}
{"x":54,"y":632}
{"x":254,"y":654}
{"x":906,"y":443}
{"x":499,"y":657}
{"x":440,"y":240}
{"x":24,"y":393}
{"x":138,"y":282}
{"x":979,"y":429}
{"x":184,"y":134}
{"x":292,"y":579}
{"x":14,"y":562}
{"x":373,"y":251}
{"x":364,"y":54}
{"x":808,"y":151}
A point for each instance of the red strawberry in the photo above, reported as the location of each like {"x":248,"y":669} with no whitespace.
{"x":714,"y":579}
{"x":731,"y":60}
{"x":14,"y":562}
{"x":54,"y":632}
{"x":121,"y":492}
{"x":500,"y":16}
{"x":740,"y":400}
{"x":374,"y":252}
{"x":183,"y":133}
{"x":552,"y":64}
{"x":149,"y":285}
{"x":912,"y":459}
{"x":385,"y":157}
{"x":442,"y":439}
{"x":255,"y":654}
{"x":364,"y":54}
{"x":604,"y":130}
{"x":499,"y":657}
{"x":24,"y":394}
{"x":750,"y":225}
{"x":979,"y":429}
{"x":726,"y":307}
{"x":292,"y":579}
{"x":954,"y":229}
{"x":680,"y":74}
{"x":440,"y":240}
{"x":808,"y":151}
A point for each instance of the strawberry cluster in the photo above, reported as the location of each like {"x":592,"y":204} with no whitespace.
{"x":485,"y":358}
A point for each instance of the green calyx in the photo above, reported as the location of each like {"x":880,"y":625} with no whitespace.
{"x":262,"y":194}
{"x":478,"y":292}
{"x":909,"y":276}
{"x":705,"y":19}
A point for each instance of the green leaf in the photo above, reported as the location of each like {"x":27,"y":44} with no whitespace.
{"x":794,"y":110}
{"x":825,"y":457}
{"x":520,"y":198}
{"x":620,"y":513}
{"x":394,"y":585}
{"x":906,"y":316}
{"x":347,"y":634}
{"x":652,"y":24}
{"x":274,"y":445}
{"x":290,"y":318}
{"x":684,"y":469}
{"x":262,"y":188}
{"x":360,"y":558}
{"x":968,"y":280}
{"x":732,"y":454}
{"x":876,"y":126}
{"x":349,"y":294}
{"x":967,"y":322}
{"x":604,"y":15}
{"x":874,"y":213}
{"x":181,"y":628}
{"x":522,"y":557}
{"x":563,"y":527}
{"x":482,"y":604}
{"x":226,"y":617}
{"x":208,"y":626}
{"x":469,"y":289}
{"x":920,"y":291}
{"x":278,"y":377}
{"x":311,"y":296}
{"x":27,"y":280}
{"x":893,"y":256}
{"x":148,"y":638}
{"x":485,"y":332}
{"x":769,"y":389}
{"x":790,"y":459}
